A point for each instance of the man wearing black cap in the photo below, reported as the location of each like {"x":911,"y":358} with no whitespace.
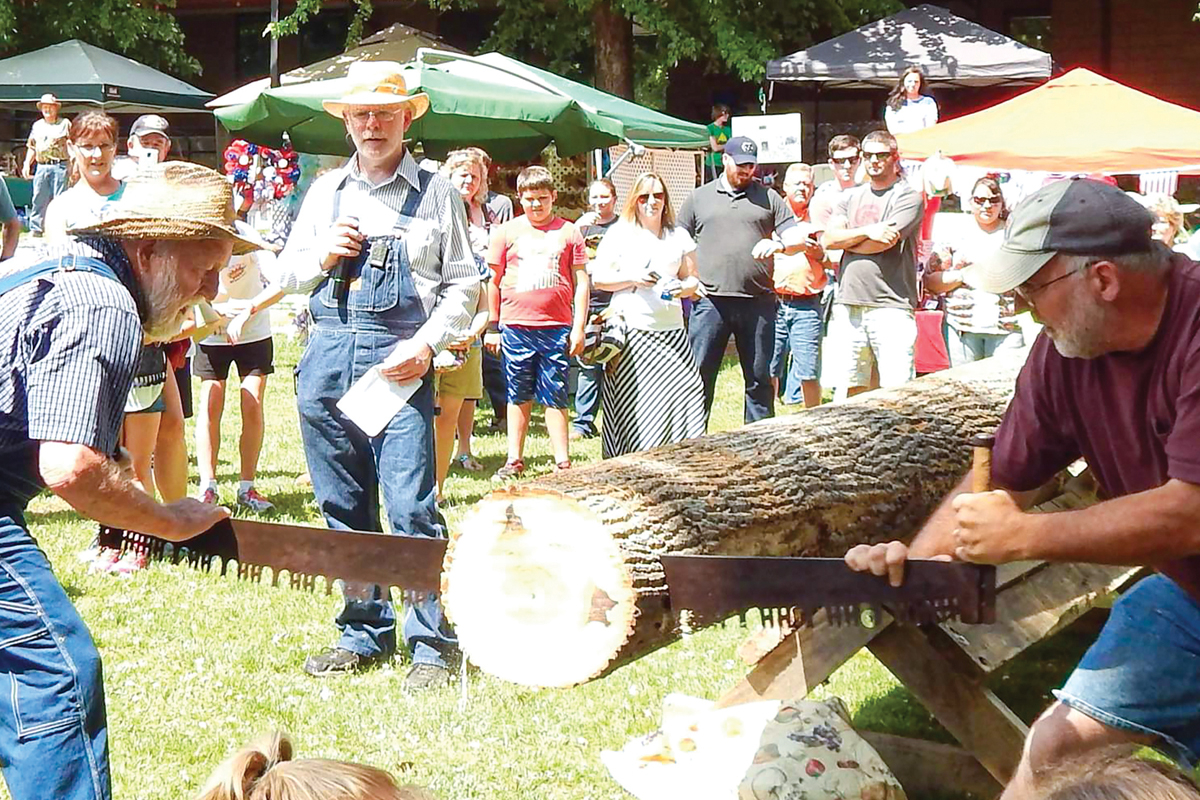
{"x":149,"y":142}
{"x":1114,"y":379}
{"x":738,"y":225}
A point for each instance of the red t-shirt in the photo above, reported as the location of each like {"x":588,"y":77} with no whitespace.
{"x":534,"y":268}
{"x":1135,"y":417}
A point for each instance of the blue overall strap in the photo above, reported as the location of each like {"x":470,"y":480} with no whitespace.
{"x":67,"y":263}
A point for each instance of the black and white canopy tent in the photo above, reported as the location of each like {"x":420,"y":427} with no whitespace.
{"x":951,"y":51}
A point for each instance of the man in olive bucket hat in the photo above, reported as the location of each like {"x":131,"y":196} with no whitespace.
{"x":72,"y":320}
{"x":382,"y":248}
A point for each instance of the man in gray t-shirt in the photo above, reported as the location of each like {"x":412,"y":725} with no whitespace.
{"x":733,"y":220}
{"x":874,"y":329}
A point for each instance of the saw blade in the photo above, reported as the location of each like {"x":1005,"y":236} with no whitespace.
{"x":413,"y":563}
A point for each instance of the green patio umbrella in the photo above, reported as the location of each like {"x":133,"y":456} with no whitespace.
{"x":82,"y":75}
{"x":511,"y":114}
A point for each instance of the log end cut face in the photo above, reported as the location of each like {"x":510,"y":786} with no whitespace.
{"x":538,"y":591}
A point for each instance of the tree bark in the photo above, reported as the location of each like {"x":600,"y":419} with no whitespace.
{"x":809,"y":484}
{"x":613,"y":35}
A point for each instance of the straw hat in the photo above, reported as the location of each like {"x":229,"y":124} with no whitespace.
{"x":173,"y":200}
{"x":48,"y":100}
{"x":377,"y":83}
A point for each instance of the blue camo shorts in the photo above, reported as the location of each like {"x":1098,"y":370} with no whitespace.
{"x":1142,"y":674}
{"x":536,"y":364}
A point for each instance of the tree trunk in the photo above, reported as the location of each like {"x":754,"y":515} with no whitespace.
{"x":613,"y":36}
{"x":564,"y":571}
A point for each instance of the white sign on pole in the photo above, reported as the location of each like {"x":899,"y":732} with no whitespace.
{"x":777,"y":136}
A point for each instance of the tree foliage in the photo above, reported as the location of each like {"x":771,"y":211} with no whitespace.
{"x":306,"y":9}
{"x":144,"y":30}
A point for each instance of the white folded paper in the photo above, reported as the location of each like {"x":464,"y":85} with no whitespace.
{"x":373,"y":400}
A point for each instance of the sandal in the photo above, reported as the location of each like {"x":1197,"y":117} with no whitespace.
{"x":469,"y":463}
{"x":562,"y":465}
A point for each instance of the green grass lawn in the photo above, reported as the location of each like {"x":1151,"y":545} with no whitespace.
{"x":195,"y":664}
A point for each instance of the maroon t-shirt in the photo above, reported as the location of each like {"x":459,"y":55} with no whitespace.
{"x":1135,"y":417}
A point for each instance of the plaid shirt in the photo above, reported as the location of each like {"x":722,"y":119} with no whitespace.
{"x":439,"y":250}
{"x":69,"y":344}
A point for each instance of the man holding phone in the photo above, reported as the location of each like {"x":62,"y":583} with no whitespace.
{"x":149,"y":142}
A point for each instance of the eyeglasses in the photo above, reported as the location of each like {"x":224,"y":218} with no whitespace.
{"x":656,"y":195}
{"x":360,"y":116}
{"x":884,"y":156}
{"x":990,"y":200}
{"x":848,"y":160}
{"x":95,"y":150}
{"x":1026,"y":293}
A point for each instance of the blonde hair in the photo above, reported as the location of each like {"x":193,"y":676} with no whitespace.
{"x":1165,"y":206}
{"x":1115,"y":773}
{"x":465,"y":158}
{"x":265,"y":770}
{"x":629,"y":210}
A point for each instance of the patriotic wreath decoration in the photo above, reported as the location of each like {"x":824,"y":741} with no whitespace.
{"x":260,"y":174}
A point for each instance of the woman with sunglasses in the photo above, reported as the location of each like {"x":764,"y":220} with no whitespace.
{"x":978,"y":323}
{"x":653,"y":394}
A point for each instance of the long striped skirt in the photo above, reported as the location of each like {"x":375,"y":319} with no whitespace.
{"x":653,"y":395}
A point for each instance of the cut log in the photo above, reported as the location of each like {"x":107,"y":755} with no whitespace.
{"x":810,"y":484}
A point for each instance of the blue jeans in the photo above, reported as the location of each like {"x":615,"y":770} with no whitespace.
{"x":53,"y":733}
{"x":797,"y":344}
{"x":751,"y":321}
{"x":348,"y":468}
{"x":964,"y":347}
{"x":49,"y":181}
{"x":1142,"y":674}
{"x":587,"y":397}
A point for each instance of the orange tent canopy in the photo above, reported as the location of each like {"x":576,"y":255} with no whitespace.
{"x":1078,"y":122}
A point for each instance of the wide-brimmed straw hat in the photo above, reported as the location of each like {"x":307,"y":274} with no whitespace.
{"x":176,"y":201}
{"x":48,"y":100}
{"x":377,"y":83}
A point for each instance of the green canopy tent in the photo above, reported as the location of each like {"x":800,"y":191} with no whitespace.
{"x":512,"y":113}
{"x":84,"y":76}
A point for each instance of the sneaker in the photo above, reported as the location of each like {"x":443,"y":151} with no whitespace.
{"x":426,"y":676}
{"x":89,"y":555}
{"x":254,"y":501}
{"x":336,"y":661}
{"x":562,"y":465}
{"x":512,"y":469}
{"x":104,"y":560}
{"x":579,"y":433}
{"x":497,"y":425}
{"x":209,"y":496}
{"x":129,"y":563}
{"x":469,"y":463}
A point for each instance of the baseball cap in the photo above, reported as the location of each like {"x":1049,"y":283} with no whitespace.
{"x":1077,"y":215}
{"x":742,"y":150}
{"x":150,"y":123}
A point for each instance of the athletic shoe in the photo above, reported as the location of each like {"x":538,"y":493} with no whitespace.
{"x":512,"y":469}
{"x":129,"y":563}
{"x":254,"y":501}
{"x":336,"y":661}
{"x":426,"y":676}
{"x":104,"y":560}
{"x":209,"y":496}
{"x":562,"y":465}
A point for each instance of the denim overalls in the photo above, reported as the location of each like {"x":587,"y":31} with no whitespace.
{"x":349,"y":336}
{"x":53,"y":733}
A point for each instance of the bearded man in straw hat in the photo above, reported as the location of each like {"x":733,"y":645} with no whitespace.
{"x":48,"y":146}
{"x":382,"y":247}
{"x":72,"y":320}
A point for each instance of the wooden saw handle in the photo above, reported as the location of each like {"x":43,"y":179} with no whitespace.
{"x":981,"y":467}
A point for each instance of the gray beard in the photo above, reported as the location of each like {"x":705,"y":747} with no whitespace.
{"x":166,"y":309}
{"x":1082,"y":334}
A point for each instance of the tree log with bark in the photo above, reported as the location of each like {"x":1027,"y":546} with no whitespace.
{"x":553,"y":581}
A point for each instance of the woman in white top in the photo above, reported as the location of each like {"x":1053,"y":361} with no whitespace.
{"x":978,"y":323}
{"x":908,"y":107}
{"x":92,"y":143}
{"x":653,"y":394}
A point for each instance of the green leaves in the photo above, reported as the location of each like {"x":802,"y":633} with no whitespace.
{"x":145,"y":31}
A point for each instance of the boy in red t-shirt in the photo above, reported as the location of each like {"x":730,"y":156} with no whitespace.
{"x":538,"y":302}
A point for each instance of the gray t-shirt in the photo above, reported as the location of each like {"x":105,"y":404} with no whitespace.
{"x":726,"y":225}
{"x":887,"y":279}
